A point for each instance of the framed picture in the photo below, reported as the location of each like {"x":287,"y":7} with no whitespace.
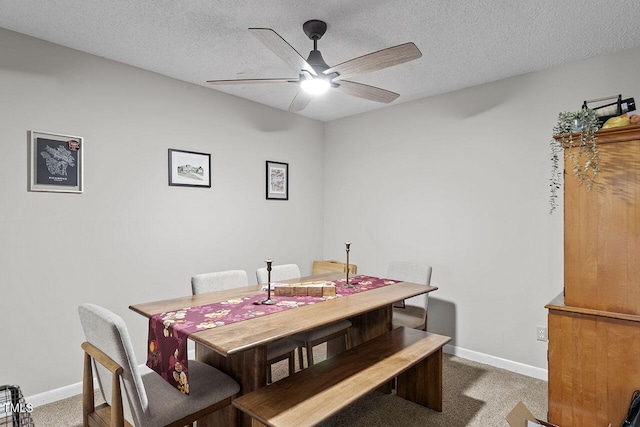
{"x":55,"y":162}
{"x":189,"y":169}
{"x":277,"y":180}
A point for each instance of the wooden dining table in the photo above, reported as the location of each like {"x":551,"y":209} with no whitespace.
{"x":239,"y":349}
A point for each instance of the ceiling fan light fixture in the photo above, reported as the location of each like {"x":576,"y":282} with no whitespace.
{"x":315,"y":86}
{"x":315,"y":76}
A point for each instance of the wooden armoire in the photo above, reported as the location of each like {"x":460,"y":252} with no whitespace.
{"x":594,"y":325}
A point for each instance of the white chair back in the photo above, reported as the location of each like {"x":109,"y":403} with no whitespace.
{"x":408,"y":271}
{"x":218,"y":281}
{"x":108,"y":332}
{"x":278,"y":272}
{"x":413,"y":272}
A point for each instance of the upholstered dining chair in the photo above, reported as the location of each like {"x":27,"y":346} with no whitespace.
{"x":278,"y":272}
{"x":151,"y":400}
{"x":221,"y":280}
{"x":412,"y":312}
{"x":313,"y":337}
{"x":331,"y":266}
{"x":218,"y":281}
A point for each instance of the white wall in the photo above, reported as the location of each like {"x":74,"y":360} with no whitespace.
{"x":131,"y":238}
{"x":461,"y":181}
{"x":458,"y":180}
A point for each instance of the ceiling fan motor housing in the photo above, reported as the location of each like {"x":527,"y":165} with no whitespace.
{"x":314,"y":29}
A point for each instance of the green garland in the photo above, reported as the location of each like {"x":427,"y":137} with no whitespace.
{"x":575,"y":130}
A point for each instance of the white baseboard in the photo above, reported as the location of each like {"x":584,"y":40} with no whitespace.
{"x":498,"y":362}
{"x":55,"y":394}
{"x":517,"y":367}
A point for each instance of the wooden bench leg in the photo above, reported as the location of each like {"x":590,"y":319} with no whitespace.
{"x":422,"y":383}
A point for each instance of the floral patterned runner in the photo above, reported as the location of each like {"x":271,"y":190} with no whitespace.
{"x":168,"y":332}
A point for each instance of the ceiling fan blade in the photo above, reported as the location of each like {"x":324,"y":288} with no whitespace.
{"x":300,"y":101}
{"x":371,"y":93}
{"x":376,"y":60}
{"x":250,"y":81}
{"x":280,"y":47}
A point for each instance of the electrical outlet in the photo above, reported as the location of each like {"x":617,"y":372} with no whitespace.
{"x":542,"y":333}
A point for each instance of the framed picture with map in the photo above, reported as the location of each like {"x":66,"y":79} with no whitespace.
{"x":55,"y":162}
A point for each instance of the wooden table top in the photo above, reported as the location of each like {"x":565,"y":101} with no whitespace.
{"x":240,"y":336}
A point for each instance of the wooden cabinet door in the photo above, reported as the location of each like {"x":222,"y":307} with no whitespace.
{"x":602,"y":232}
{"x":594,"y":368}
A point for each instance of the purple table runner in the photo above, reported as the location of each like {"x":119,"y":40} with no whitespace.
{"x":168,"y":332}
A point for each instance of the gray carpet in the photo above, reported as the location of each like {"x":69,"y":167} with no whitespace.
{"x":474,"y":395}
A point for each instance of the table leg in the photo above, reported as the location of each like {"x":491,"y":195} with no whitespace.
{"x":248,"y":368}
{"x":364,"y":327}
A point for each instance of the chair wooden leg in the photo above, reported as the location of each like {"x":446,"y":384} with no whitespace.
{"x":347,"y":339}
{"x":300,"y":361}
{"x":117,"y":414}
{"x":309,"y":355}
{"x":269,"y":373}
{"x":292,"y":362}
{"x":88,"y":411}
{"x":88,"y":405}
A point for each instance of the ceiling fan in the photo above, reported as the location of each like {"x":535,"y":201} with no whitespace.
{"x":316,"y":77}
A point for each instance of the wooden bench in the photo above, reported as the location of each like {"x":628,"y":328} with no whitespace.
{"x":312,"y":395}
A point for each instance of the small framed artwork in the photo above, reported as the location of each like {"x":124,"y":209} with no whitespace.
{"x":277,"y":180}
{"x":55,"y":162}
{"x":189,"y":169}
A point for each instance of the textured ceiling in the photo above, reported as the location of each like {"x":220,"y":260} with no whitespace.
{"x":463,"y":43}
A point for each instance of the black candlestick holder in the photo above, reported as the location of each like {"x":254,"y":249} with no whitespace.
{"x":347,"y":284}
{"x":268,"y":301}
